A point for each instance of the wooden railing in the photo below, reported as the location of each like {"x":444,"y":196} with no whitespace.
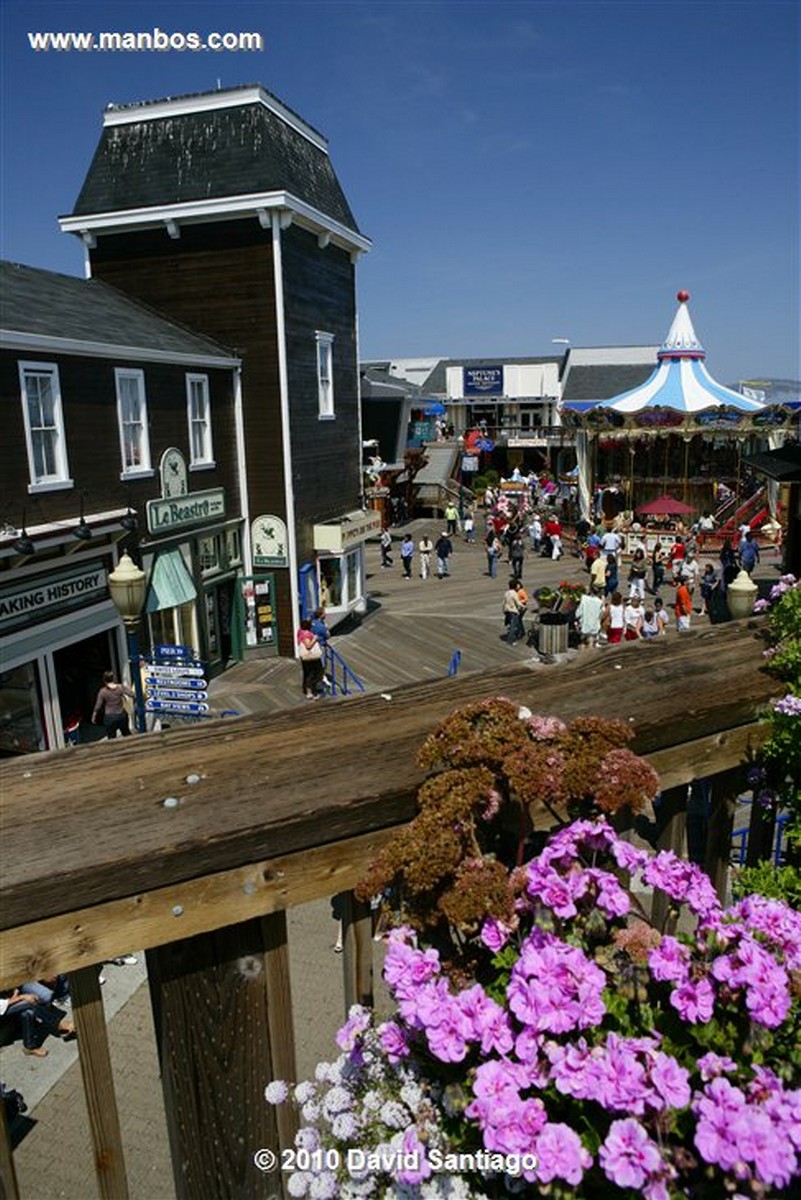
{"x":271,"y":814}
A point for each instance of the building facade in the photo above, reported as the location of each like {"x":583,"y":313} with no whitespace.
{"x":223,"y":211}
{"x":119,"y":432}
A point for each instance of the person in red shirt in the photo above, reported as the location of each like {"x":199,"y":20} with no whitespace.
{"x":676,"y":557}
{"x":683,"y":606}
{"x":553,"y":530}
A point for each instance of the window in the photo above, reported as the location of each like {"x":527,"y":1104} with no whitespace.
{"x":44,"y":426}
{"x":325,"y":374}
{"x":132,"y":416}
{"x":197,"y":401}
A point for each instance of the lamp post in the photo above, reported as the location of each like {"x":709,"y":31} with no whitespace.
{"x":127,"y":587}
{"x":460,"y":443}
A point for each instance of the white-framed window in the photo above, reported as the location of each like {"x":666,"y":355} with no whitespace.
{"x":45,"y":436}
{"x":198,"y":410}
{"x":325,"y":373}
{"x":132,"y":419}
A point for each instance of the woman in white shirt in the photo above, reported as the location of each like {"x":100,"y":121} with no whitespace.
{"x":615,"y":619}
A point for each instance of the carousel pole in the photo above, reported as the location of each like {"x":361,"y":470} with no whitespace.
{"x":688,"y":437}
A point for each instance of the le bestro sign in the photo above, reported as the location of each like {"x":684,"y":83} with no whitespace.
{"x":178,"y":507}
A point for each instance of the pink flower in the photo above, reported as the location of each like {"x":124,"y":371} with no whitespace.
{"x":694,"y":1001}
{"x":412,"y":1146}
{"x":628,"y":1156}
{"x":393,"y":1041}
{"x":670,"y":1081}
{"x":494,"y":934}
{"x":561,"y":1155}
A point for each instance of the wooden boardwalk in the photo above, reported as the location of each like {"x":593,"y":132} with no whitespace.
{"x":412,"y":627}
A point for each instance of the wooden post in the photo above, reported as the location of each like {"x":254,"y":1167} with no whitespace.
{"x":9,"y":1189}
{"x":761,"y":831}
{"x":209,"y":997}
{"x":671,"y":835}
{"x":723,"y":802}
{"x":98,"y":1083}
{"x":279,"y":1018}
{"x":357,"y":957}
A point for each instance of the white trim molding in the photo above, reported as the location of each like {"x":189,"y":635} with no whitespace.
{"x":134,"y":114}
{"x":219,"y":209}
{"x":13,"y":339}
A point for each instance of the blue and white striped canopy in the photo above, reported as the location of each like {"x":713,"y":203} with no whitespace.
{"x":681,"y":382}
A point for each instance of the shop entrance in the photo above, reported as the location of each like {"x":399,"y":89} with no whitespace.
{"x":79,"y":672}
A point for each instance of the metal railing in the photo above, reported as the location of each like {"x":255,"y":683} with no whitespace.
{"x":333,"y":662}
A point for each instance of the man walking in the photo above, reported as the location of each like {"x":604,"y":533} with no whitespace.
{"x":407,"y":554}
{"x":443,"y":550}
{"x":451,"y":516}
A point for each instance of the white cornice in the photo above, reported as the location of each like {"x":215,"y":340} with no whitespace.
{"x":219,"y":208}
{"x":12,"y":339}
{"x":212,"y":102}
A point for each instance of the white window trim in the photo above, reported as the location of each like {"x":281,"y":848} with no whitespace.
{"x":206,"y":463}
{"x":144,"y":468}
{"x":325,"y":389}
{"x":48,"y":483}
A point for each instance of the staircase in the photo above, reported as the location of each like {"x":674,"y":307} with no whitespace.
{"x":433,"y":483}
{"x":752,"y":511}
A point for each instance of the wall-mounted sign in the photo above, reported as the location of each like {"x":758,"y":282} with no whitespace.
{"x":482,"y":381}
{"x":258,"y":600}
{"x":35,"y":600}
{"x":469,"y":462}
{"x":196,"y":508}
{"x":173,"y":474}
{"x":351,"y":530}
{"x":268,"y":542}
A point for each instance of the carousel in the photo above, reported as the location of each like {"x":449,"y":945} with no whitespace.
{"x":679,"y":434}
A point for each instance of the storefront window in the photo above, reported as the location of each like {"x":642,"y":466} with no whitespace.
{"x":21,"y":726}
{"x":353,"y":576}
{"x":174,"y":626}
{"x":331,"y":575}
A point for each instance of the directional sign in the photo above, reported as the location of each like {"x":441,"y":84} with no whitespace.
{"x":195,"y":684}
{"x":164,"y":669}
{"x":175,"y":706}
{"x":174,"y":652}
{"x":175,"y":694}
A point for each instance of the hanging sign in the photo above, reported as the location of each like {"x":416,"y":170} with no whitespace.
{"x":268,"y":540}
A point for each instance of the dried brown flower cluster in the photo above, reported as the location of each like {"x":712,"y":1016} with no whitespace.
{"x":497,"y":772}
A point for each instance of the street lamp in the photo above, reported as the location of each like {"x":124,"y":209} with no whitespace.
{"x":126,"y":585}
{"x":460,"y":443}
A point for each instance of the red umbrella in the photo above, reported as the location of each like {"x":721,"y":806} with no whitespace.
{"x":664,"y":506}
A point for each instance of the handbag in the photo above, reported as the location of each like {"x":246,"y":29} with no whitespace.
{"x":308,"y":653}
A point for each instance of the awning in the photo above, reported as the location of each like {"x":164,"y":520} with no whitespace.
{"x":783,"y":464}
{"x":170,"y":582}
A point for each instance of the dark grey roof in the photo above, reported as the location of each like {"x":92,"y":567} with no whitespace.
{"x":85,"y":310}
{"x":221,"y":152}
{"x":376,"y":383}
{"x":602,"y":382}
{"x":783,"y":464}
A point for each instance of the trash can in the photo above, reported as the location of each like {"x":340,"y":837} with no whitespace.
{"x":553,"y":633}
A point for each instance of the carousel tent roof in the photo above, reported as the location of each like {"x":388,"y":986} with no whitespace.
{"x":680,"y":381}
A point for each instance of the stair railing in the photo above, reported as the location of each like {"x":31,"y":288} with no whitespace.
{"x":333,"y":663}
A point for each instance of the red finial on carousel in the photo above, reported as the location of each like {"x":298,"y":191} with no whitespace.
{"x":682,"y":297}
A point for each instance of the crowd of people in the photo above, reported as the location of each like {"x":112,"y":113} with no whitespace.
{"x":628,"y":572}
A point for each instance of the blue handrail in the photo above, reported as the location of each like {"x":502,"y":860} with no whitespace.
{"x":332,"y":660}
{"x":455,"y":663}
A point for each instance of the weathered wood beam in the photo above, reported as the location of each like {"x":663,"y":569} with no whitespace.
{"x":9,"y":1189}
{"x":92,"y":935}
{"x":259,"y":795}
{"x":98,"y":1083}
{"x":357,"y":945}
{"x":209,"y":996}
{"x":279,"y":1018}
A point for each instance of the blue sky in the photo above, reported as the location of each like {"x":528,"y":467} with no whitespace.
{"x":525,"y":170}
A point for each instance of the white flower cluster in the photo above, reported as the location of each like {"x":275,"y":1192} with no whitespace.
{"x":361,"y":1110}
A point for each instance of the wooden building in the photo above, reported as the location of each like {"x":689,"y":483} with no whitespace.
{"x":109,"y":411}
{"x":223,"y":211}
